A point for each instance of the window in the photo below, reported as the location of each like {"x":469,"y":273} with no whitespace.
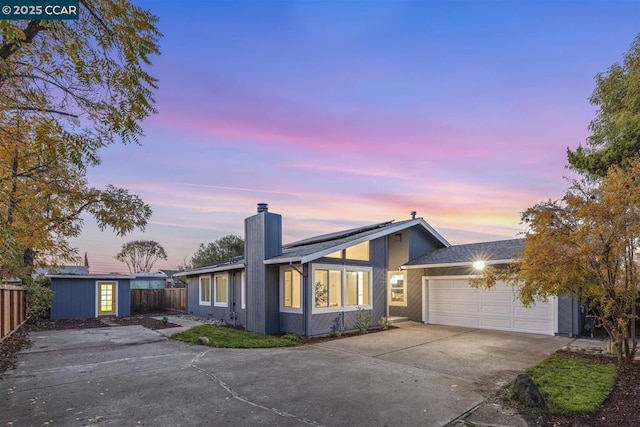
{"x":398,"y":289}
{"x":205,"y":290}
{"x":357,"y":286}
{"x":336,"y":288}
{"x":359,"y":252}
{"x":243,"y":291}
{"x":221,"y":292}
{"x":291,"y":289}
{"x":328,"y":288}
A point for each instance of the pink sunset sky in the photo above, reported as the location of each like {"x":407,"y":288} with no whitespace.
{"x":344,"y":113}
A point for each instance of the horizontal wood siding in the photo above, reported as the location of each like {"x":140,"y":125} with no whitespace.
{"x":292,"y":322}
{"x":13,"y":308}
{"x":74,"y":299}
{"x":173,"y":299}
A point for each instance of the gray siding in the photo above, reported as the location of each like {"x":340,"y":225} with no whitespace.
{"x":568,"y":316}
{"x":272,"y":300}
{"x":76,"y":298}
{"x":193,"y":302}
{"x":263,"y":239}
{"x":413,"y":310}
{"x":378,"y":253}
{"x":292,"y":322}
{"x":236,"y":298}
{"x":398,"y":244}
{"x":421,"y":243}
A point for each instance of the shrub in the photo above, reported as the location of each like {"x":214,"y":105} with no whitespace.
{"x":363,"y":320}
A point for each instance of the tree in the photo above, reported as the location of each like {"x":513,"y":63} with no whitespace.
{"x":140,"y":255}
{"x":222,"y":249}
{"x":585,"y":245}
{"x":615,"y":137}
{"x":68,"y":89}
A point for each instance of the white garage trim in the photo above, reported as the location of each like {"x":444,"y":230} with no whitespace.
{"x":494,"y":308}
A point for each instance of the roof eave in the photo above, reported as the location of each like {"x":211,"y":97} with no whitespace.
{"x":206,"y":270}
{"x":456,"y":264}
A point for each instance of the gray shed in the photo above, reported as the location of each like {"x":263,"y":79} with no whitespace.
{"x":81,"y":296}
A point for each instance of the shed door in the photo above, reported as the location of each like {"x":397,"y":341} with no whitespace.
{"x":454,"y":302}
{"x":106,"y":298}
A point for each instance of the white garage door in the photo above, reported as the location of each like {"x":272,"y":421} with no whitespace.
{"x":454,"y":302}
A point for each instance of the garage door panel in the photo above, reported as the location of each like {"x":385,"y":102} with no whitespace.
{"x":497,"y":309}
{"x":456,"y":303}
{"x":466,"y":308}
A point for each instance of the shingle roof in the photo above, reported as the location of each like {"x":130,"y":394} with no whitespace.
{"x":464,"y":254}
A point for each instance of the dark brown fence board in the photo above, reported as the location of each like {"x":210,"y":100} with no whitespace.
{"x":172,"y":299}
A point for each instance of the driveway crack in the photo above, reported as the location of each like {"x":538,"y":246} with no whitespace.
{"x":235,"y":395}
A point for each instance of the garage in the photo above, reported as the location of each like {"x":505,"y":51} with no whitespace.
{"x":452,"y":301}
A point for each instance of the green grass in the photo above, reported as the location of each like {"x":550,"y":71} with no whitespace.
{"x":234,"y":338}
{"x":573,"y":386}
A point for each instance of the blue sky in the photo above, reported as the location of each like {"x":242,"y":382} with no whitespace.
{"x":343,"y":113}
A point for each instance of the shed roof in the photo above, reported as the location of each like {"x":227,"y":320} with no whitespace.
{"x":496,"y":252}
{"x":96,"y":276}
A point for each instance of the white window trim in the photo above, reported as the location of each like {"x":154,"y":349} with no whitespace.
{"x":283,"y":308}
{"x":243,"y":290}
{"x":343,"y":307}
{"x":404,"y":287}
{"x":216,"y":303}
{"x":115,"y":297}
{"x":201,"y":302}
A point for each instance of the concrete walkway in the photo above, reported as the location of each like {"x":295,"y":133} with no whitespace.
{"x":416,"y":375}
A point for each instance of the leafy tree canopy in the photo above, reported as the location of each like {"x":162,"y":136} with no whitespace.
{"x":67,"y":89}
{"x":585,"y":245}
{"x":140,"y":255}
{"x":221,"y":250}
{"x":615,"y":131}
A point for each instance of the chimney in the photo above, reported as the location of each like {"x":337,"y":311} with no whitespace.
{"x":262,"y":240}
{"x":413,"y":214}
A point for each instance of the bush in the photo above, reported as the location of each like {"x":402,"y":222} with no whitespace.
{"x":384,"y":323}
{"x":39,"y":297}
{"x":363,"y":320}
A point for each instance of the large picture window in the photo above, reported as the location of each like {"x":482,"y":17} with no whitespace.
{"x":205,"y":290}
{"x":221,"y":290}
{"x":338,"y":288}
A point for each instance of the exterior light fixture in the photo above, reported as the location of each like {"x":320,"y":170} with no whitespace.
{"x":478,"y":265}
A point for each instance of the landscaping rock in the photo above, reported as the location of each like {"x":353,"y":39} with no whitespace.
{"x":527,"y":392}
{"x":203,"y":340}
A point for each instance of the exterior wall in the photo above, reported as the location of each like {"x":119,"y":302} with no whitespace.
{"x":124,"y":297}
{"x":263,"y":239}
{"x":325,"y":323}
{"x":448,"y":271}
{"x":193,"y":299}
{"x":76,"y":298}
{"x":292,"y":322}
{"x":415,"y":242}
{"x":568,"y":316}
{"x":235,"y":301}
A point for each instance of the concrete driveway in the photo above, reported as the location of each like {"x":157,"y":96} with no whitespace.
{"x":415,"y":375}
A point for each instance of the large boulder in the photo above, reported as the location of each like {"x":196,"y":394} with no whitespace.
{"x":527,"y":392}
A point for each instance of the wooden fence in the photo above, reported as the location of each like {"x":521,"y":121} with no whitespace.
{"x":171,"y":299}
{"x":13,"y":308}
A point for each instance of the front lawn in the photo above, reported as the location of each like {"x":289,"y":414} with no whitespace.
{"x":220,"y":336}
{"x":573,"y":385}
